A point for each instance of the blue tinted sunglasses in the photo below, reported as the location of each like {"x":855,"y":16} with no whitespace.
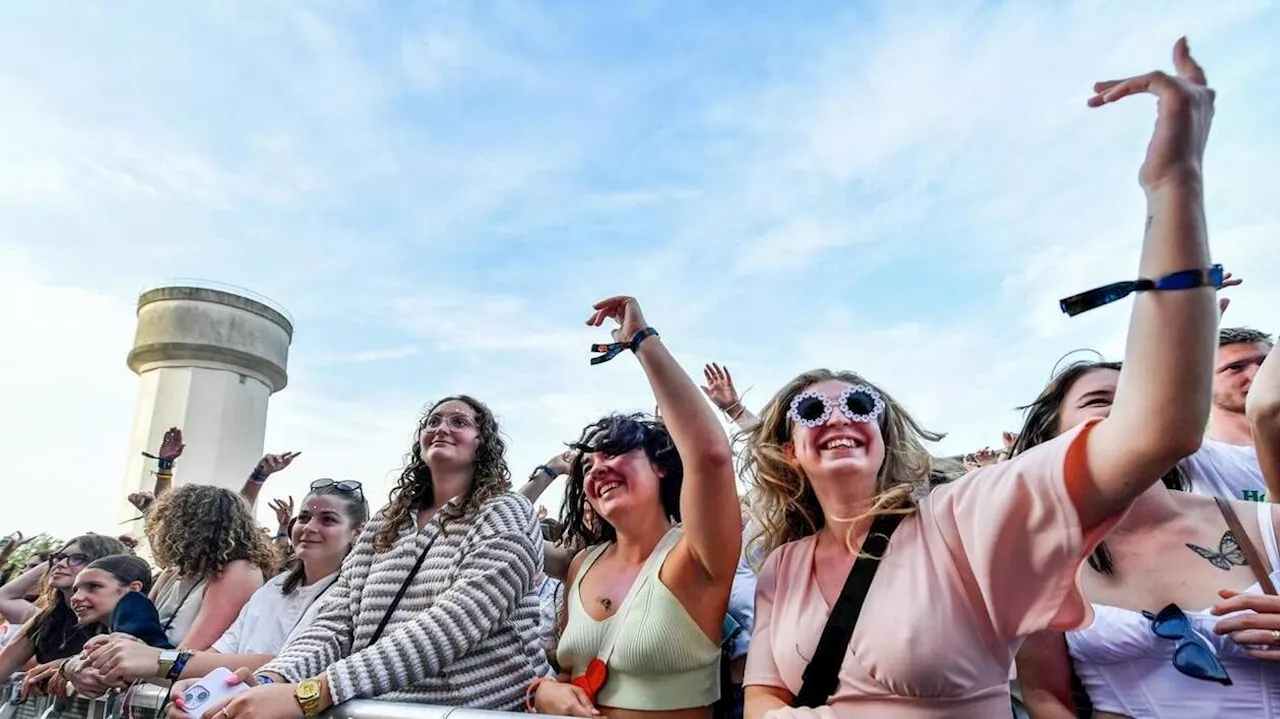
{"x":1193,"y":656}
{"x":1099,"y":296}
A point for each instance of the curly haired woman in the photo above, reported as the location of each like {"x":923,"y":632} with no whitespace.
{"x":969,"y":569}
{"x":437,"y":603}
{"x":214,"y":556}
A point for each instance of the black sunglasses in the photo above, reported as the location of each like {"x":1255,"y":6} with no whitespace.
{"x":346,"y":486}
{"x":1192,"y":656}
{"x":1099,"y":296}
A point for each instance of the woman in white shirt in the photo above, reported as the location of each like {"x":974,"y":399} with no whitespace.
{"x":322,"y":535}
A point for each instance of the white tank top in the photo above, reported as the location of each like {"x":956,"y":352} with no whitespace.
{"x":1128,"y":670}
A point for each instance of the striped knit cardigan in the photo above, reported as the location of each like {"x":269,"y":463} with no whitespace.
{"x":466,"y":632}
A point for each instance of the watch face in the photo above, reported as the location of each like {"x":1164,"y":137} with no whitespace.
{"x":309,"y":690}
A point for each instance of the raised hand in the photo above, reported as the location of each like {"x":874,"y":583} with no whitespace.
{"x":623,"y":310}
{"x":719,"y":387}
{"x":272,"y":463}
{"x":1225,"y":302}
{"x":171,"y":446}
{"x":561,"y":463}
{"x":142,"y":501}
{"x":1184,"y":113}
{"x":283,"y":510}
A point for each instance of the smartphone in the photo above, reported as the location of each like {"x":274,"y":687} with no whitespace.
{"x":211,"y":690}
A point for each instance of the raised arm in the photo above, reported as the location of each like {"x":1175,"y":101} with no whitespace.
{"x":267,"y":466}
{"x":1162,"y":402}
{"x":544,"y":474}
{"x":13,"y":603}
{"x":1262,"y":407}
{"x":708,"y":496}
{"x":720,"y":390}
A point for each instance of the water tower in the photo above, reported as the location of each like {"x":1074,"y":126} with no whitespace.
{"x":208,"y":359}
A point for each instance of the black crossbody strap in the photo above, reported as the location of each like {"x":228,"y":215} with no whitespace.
{"x":403,"y":588}
{"x":822,"y":676}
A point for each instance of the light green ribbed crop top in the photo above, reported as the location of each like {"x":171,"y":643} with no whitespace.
{"x":662,"y":660}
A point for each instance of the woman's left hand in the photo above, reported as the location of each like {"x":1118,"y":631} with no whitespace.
{"x":265,"y":701}
{"x":623,"y":310}
{"x":1257,"y":631}
{"x":38,"y":681}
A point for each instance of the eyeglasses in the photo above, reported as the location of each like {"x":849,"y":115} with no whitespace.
{"x":1193,"y":655}
{"x":72,"y":560}
{"x":860,"y":403}
{"x":346,"y":486}
{"x":1099,"y":296}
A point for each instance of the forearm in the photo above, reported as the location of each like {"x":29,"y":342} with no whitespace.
{"x":691,"y":422}
{"x":251,"y":488}
{"x":13,"y":605}
{"x":164,"y":479}
{"x":1266,"y":440}
{"x":1168,"y":366}
{"x":1162,"y":400}
{"x":536,"y":485}
{"x":744,"y":418}
{"x":201,"y":663}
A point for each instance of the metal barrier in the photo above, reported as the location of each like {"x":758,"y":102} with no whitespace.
{"x":146,"y":701}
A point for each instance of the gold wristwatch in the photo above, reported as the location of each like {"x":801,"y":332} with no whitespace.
{"x":307,"y":692}
{"x":164,"y":665}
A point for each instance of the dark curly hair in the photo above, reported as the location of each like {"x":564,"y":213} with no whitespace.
{"x":415,"y":489}
{"x":615,"y":435}
{"x":55,"y":612}
{"x":199,"y":529}
{"x":1041,"y":425}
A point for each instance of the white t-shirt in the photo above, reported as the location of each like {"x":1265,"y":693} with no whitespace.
{"x":1226,"y":470}
{"x":270,"y":617}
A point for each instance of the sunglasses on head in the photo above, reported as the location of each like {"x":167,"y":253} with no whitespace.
{"x":346,"y":486}
{"x":1099,"y":296}
{"x":860,"y":403}
{"x":1192,"y":656}
{"x":73,"y":560}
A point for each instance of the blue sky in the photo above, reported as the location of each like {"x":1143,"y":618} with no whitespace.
{"x":439,"y":191}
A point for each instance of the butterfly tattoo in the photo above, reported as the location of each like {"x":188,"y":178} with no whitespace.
{"x":1228,"y":554}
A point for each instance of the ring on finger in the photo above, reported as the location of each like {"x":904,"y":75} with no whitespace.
{"x":1275,"y":637}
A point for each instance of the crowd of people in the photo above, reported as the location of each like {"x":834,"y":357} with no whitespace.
{"x":1111,"y":560}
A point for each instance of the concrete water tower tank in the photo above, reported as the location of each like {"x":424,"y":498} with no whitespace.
{"x":208,"y":359}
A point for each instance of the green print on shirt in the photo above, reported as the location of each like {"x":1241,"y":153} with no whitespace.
{"x":1253,"y":495}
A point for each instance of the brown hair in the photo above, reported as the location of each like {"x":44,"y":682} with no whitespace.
{"x":781,"y":498}
{"x":52,"y":603}
{"x":199,"y":529}
{"x":416,"y":490}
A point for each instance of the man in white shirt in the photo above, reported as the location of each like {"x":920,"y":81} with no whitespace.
{"x":1227,"y":463}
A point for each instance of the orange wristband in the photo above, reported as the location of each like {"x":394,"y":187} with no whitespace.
{"x":532,"y":691}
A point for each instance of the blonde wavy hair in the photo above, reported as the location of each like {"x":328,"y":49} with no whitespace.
{"x":783,"y":503}
{"x":199,"y":530}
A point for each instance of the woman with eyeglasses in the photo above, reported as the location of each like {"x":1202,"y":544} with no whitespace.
{"x":437,"y":602}
{"x":645,"y":609}
{"x":53,"y":633}
{"x":1156,"y":587}
{"x":214,"y":558}
{"x":934,"y":588}
{"x":323,"y":533}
